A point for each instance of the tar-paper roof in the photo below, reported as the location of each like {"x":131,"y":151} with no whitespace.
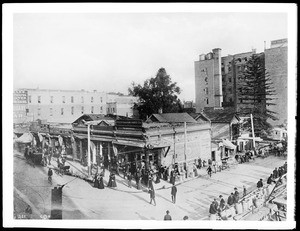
{"x":98,"y":117}
{"x":171,"y":118}
{"x":224,"y":115}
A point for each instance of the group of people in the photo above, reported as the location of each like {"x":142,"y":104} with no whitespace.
{"x":99,"y":182}
{"x":277,"y":173}
{"x":217,"y":206}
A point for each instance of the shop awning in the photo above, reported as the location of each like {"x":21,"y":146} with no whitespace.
{"x":25,"y":138}
{"x":130,"y":143}
{"x":228,"y":144}
{"x":82,"y":137}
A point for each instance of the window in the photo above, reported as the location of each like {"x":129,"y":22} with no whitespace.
{"x":72,"y":110}
{"x":92,"y":109}
{"x":230,"y":100}
{"x":62,"y":111}
{"x":51,"y":112}
{"x":223,"y":69}
{"x":39,"y":111}
{"x":101,"y":108}
{"x":92,"y":99}
{"x":39,"y":99}
{"x":51,"y":99}
{"x":206,"y":91}
{"x":229,"y":80}
{"x":241,"y":101}
{"x":29,"y":98}
{"x":72,"y":99}
{"x":230,"y":90}
{"x":82,"y":99}
{"x":113,"y":110}
{"x":206,"y":79}
{"x":82,"y":109}
{"x":63,"y":99}
{"x":229,"y":68}
{"x":207,"y":101}
{"x":101,"y":100}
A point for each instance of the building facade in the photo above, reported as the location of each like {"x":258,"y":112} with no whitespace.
{"x":208,"y":82}
{"x":59,"y":105}
{"x":121,"y":105}
{"x":277,"y":67}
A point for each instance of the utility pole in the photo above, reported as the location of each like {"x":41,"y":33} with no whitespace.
{"x":252,"y":126}
{"x":185,"y":143}
{"x":89,"y":147}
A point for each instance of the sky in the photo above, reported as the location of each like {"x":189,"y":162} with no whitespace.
{"x":109,"y":51}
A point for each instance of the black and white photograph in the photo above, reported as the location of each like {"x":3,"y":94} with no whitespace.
{"x":129,"y":115}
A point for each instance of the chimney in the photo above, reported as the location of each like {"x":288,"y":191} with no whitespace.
{"x":160,"y":111}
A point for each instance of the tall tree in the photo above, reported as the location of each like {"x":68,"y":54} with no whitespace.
{"x":256,"y":93}
{"x":158,"y":94}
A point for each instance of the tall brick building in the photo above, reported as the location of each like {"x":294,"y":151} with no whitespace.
{"x":276,"y":66}
{"x":216,"y":92}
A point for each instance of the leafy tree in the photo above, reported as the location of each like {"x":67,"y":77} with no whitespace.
{"x":256,"y":94}
{"x":158,"y":94}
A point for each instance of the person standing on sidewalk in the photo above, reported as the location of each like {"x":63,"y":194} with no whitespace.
{"x":173,"y":193}
{"x":213,"y":210}
{"x":244,"y":191}
{"x":167,"y":217}
{"x":152,"y":196}
{"x":236,"y":195}
{"x":209,"y":170}
{"x":100,"y":182}
{"x":129,"y":177}
{"x":259,"y":184}
{"x":230,"y":200}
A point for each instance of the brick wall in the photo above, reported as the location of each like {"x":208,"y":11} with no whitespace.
{"x":276,"y":66}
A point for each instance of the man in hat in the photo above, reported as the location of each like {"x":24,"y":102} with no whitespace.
{"x":230,"y":200}
{"x":167,"y":217}
{"x":236,"y":195}
{"x":270,"y":179}
{"x":259,"y":184}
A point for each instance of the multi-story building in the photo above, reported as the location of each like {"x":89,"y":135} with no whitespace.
{"x":276,"y":66}
{"x":211,"y":91}
{"x":121,"y":105}
{"x":62,"y":106}
{"x":209,"y":80}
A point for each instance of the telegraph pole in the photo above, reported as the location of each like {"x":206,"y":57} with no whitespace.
{"x":252,"y":126}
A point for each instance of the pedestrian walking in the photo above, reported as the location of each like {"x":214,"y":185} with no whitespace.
{"x":173,"y":193}
{"x":96,"y":182}
{"x":244,"y":191}
{"x":236,"y":195}
{"x":260,"y":184}
{"x":209,"y":170}
{"x":112,"y":181}
{"x":230,"y":200}
{"x":213,"y":210}
{"x":167,"y":217}
{"x":275,"y":173}
{"x":222,"y":203}
{"x":129,"y":178}
{"x":138,"y":180}
{"x":100,"y":182}
{"x":270,"y":179}
{"x":152,"y":196}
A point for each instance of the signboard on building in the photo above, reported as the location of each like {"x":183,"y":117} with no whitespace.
{"x":20,"y":97}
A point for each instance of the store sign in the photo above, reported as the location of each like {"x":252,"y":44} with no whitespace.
{"x":20,"y":97}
